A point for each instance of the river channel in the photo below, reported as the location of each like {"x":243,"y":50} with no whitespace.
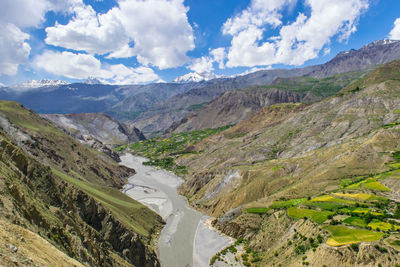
{"x":186,"y":240}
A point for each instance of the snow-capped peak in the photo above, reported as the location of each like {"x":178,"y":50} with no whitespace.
{"x":92,"y":80}
{"x":40,"y":83}
{"x":195,"y":77}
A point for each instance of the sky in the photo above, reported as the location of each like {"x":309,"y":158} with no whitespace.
{"x":145,"y":41}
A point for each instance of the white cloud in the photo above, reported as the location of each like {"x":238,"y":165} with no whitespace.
{"x":81,"y":66}
{"x":297,"y":42}
{"x":395,"y":32}
{"x":203,"y":64}
{"x":14,"y":49}
{"x":89,"y":31}
{"x":219,"y":55}
{"x":14,"y":16}
{"x":159,"y":30}
{"x":23,"y":13}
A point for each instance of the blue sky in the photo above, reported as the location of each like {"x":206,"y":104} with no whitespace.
{"x":137,"y":41}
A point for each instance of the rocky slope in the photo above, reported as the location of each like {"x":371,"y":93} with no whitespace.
{"x":300,"y":151}
{"x":97,"y":125}
{"x":97,"y":130}
{"x":234,"y":106}
{"x":160,"y":116}
{"x":66,"y":193}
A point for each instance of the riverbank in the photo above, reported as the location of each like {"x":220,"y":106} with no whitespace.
{"x":186,"y":239}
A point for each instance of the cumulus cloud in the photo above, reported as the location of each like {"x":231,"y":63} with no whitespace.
{"x":203,"y":64}
{"x":14,"y":49}
{"x":81,"y":66}
{"x":89,"y":31}
{"x":395,"y":32}
{"x":157,"y":32}
{"x":16,"y":15}
{"x":298,"y":41}
{"x":24,"y":13}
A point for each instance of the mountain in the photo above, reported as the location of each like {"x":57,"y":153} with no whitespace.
{"x":376,"y":53}
{"x":100,"y":126}
{"x":235,"y":106}
{"x":303,"y":184}
{"x":92,"y":80}
{"x":163,"y":114}
{"x":155,"y":107}
{"x":39,"y":83}
{"x":62,"y":198}
{"x":195,"y":77}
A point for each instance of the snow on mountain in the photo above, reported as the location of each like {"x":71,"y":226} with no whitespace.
{"x":40,"y":83}
{"x":195,"y":77}
{"x":92,"y":80}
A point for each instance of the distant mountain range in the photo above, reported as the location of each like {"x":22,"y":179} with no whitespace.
{"x":155,"y":107}
{"x":39,"y":83}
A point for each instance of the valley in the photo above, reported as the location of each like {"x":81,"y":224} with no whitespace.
{"x":282,"y":167}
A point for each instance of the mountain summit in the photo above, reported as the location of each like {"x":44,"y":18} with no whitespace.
{"x":195,"y":77}
{"x":92,"y":80}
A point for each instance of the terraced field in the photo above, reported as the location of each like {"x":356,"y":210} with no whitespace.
{"x":360,"y":211}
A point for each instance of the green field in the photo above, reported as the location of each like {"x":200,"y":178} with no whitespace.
{"x":316,"y":216}
{"x":376,"y":224}
{"x":369,"y":183}
{"x":343,"y":235}
{"x":356,"y":221}
{"x":329,"y":198}
{"x":258,"y":210}
{"x":287,"y":203}
{"x":161,"y":151}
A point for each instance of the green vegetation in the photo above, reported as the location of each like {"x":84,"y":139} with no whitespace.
{"x":288,"y":203}
{"x":316,"y":216}
{"x":376,"y":224}
{"x":397,"y":111}
{"x":320,"y":87}
{"x":131,"y":212}
{"x":161,"y":151}
{"x":258,"y":210}
{"x":343,"y":235}
{"x":356,"y":221}
{"x":197,"y":106}
{"x":369,"y":183}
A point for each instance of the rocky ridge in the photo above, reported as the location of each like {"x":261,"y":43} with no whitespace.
{"x":56,"y":188}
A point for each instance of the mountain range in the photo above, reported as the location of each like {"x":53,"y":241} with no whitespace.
{"x":153,"y":108}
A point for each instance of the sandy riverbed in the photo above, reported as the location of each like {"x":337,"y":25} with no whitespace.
{"x":187,"y":239}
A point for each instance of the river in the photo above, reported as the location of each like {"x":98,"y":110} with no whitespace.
{"x":187,"y":240}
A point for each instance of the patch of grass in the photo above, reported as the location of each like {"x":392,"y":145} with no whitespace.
{"x":128,"y":210}
{"x":197,"y":106}
{"x":396,"y":111}
{"x":369,"y":183}
{"x":356,"y":221}
{"x":360,"y":196}
{"x":329,"y":198}
{"x":343,"y":235}
{"x":391,"y":125}
{"x":316,"y":216}
{"x":376,"y":224}
{"x":375,"y":185}
{"x":287,"y":203}
{"x":258,"y":210}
